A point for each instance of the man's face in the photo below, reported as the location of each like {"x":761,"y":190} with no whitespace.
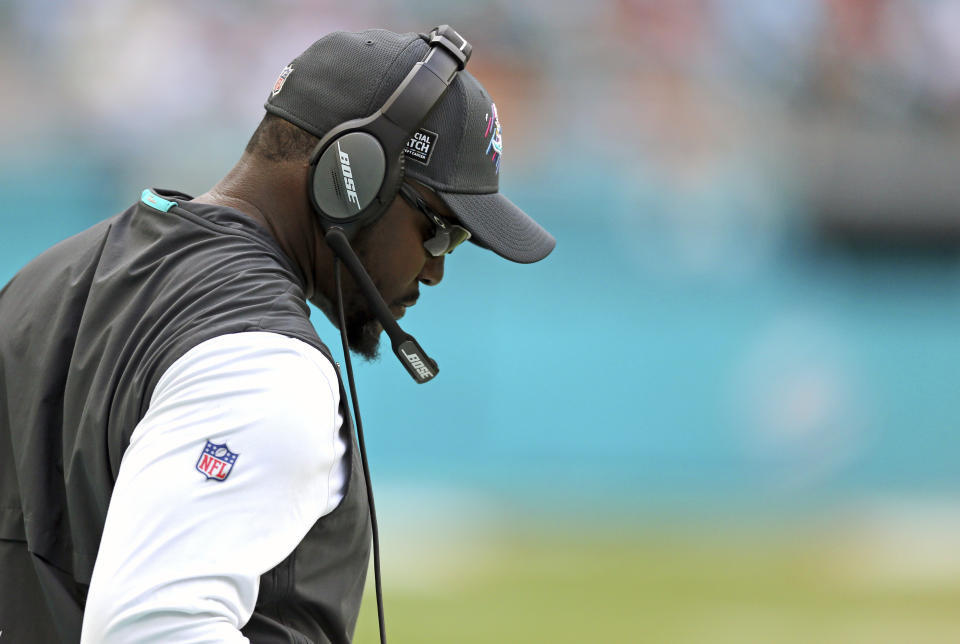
{"x":392,"y":252}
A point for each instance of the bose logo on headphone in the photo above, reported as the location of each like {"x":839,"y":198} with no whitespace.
{"x":417,"y":364}
{"x":348,"y":176}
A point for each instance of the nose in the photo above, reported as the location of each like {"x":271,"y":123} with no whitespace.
{"x":432,"y":271}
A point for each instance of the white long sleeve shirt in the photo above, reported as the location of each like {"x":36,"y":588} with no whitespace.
{"x":186,"y":539}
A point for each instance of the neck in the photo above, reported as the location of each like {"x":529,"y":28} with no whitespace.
{"x":274,"y":195}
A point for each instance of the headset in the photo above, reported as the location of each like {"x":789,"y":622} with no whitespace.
{"x":357,"y":167}
{"x":355,"y":174}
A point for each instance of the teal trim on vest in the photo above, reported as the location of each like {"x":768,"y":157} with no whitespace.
{"x":150,"y":198}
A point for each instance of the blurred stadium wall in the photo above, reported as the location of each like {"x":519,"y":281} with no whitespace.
{"x":725,"y":409}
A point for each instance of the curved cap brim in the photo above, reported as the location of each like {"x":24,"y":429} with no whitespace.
{"x":496,"y":223}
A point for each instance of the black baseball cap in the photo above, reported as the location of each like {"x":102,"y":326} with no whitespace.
{"x":456,"y":151}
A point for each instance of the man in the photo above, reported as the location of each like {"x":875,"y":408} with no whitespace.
{"x":161,"y":365}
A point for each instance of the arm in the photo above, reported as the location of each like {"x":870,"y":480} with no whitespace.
{"x":181,"y":553}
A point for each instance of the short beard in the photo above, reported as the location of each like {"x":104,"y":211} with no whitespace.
{"x":362,"y":328}
{"x":363,"y":334}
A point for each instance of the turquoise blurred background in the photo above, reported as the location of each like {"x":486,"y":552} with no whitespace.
{"x":741,"y":359}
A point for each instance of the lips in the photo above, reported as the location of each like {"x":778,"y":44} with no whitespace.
{"x":408,"y":302}
{"x":400,"y":308}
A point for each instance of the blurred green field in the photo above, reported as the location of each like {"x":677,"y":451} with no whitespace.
{"x":675,"y":585}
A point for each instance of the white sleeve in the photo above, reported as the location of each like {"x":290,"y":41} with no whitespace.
{"x":191,"y":525}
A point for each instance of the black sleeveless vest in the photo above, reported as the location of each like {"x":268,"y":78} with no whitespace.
{"x":86,"y":331}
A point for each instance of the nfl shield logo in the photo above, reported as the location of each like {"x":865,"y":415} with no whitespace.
{"x":281,"y":79}
{"x":217,"y":461}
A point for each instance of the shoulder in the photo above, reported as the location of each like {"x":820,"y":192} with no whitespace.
{"x":264,"y":389}
{"x":265,"y":363}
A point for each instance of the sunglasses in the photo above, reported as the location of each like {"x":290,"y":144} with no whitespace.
{"x":446,"y":234}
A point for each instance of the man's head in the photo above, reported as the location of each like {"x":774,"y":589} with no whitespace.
{"x":392,"y":249}
{"x":453,"y":160}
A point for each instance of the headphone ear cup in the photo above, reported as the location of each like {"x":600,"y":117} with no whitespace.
{"x":346,"y":178}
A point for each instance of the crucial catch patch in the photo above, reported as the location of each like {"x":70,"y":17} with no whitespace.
{"x":420,"y":146}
